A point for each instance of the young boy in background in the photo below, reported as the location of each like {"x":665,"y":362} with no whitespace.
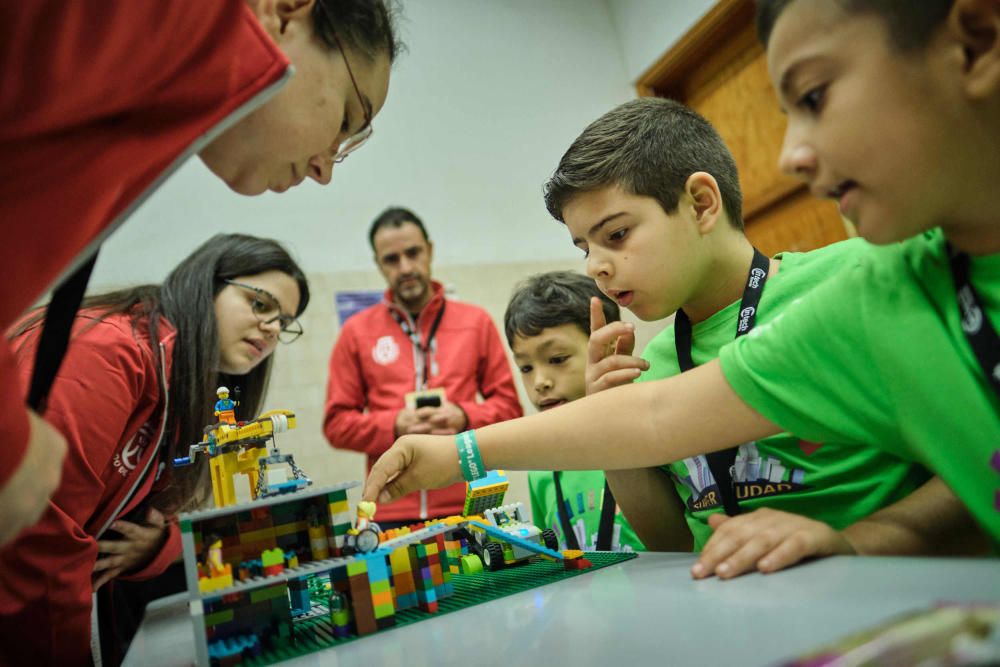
{"x":893,"y":110}
{"x":548,"y":327}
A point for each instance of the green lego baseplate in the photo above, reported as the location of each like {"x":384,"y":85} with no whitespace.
{"x":314,"y":632}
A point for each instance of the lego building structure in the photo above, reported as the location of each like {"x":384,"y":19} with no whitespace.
{"x":274,"y":578}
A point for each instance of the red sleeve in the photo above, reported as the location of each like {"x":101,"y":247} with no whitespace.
{"x":45,"y":593}
{"x":168,"y":553}
{"x":346,"y":424}
{"x":496,"y":383}
{"x":13,"y":415}
{"x":45,"y":574}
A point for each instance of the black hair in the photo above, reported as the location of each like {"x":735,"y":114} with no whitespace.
{"x":910,"y":24}
{"x":366,"y":26}
{"x":395,"y":217}
{"x":553,"y":299}
{"x":648,"y":147}
{"x":186,"y":300}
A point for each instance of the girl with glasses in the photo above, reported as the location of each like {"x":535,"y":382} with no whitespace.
{"x":135,"y":390}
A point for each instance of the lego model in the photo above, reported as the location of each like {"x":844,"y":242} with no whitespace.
{"x":225,"y":409}
{"x":287,"y":574}
{"x":505,"y":544}
{"x":365,"y":535}
{"x":241,"y":448}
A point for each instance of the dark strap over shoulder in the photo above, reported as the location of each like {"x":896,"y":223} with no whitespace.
{"x":59,"y":317}
{"x":721,"y":462}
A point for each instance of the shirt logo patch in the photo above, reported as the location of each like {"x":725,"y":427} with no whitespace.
{"x":127,"y":460}
{"x":972,"y":316}
{"x":385,"y":351}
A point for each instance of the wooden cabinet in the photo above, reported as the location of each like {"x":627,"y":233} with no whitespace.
{"x":719,"y":69}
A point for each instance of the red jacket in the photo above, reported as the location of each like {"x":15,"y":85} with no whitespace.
{"x":99,"y":101}
{"x":372,"y":368}
{"x":109,"y":402}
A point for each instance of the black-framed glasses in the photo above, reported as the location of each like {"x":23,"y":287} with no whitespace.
{"x":267,"y":310}
{"x":355,"y":141}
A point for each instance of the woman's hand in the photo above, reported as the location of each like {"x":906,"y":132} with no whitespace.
{"x":139,"y":544}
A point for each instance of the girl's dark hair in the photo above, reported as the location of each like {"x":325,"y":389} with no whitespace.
{"x":367,"y":26}
{"x":553,"y":299}
{"x":186,"y":300}
{"x":910,"y":24}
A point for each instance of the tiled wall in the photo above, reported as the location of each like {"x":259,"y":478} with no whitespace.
{"x":300,"y":371}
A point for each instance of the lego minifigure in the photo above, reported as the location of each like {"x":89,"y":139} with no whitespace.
{"x":225,"y":408}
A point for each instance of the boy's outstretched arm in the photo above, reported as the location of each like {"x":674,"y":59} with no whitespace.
{"x":930,"y":521}
{"x":655,"y":423}
{"x":647,"y":498}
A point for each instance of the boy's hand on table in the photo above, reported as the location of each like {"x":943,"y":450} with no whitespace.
{"x":139,"y":544}
{"x":415,"y":462}
{"x":609,"y":354}
{"x":766,"y":540}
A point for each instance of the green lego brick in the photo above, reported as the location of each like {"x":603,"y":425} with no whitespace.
{"x":357,"y":567}
{"x":336,"y":496}
{"x":185,"y":525}
{"x":383,"y":610}
{"x":380,"y":586}
{"x":218,"y":617}
{"x":261,"y":594}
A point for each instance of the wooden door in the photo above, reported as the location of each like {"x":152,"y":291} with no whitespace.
{"x":719,"y":69}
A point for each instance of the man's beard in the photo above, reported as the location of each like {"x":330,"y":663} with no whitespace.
{"x":416,"y":291}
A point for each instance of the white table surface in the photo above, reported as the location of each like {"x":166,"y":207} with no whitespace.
{"x":644,"y":611}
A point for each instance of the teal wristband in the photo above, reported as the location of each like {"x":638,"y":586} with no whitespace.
{"x":468,"y":456}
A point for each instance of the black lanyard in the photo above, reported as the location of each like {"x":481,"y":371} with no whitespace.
{"x":978,"y":330}
{"x":425,"y":348}
{"x":720,"y":463}
{"x":605,"y":528}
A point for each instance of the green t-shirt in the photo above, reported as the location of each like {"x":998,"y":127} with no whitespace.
{"x":818,"y":476}
{"x":584,"y":492}
{"x":878,"y":357}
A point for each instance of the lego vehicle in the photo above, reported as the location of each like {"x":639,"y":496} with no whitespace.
{"x":510,"y":519}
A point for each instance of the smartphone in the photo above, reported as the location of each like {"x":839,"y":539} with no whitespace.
{"x":428,"y":401}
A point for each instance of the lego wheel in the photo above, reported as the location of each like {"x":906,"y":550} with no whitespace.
{"x":550,"y":540}
{"x":493,"y":556}
{"x":367,"y":540}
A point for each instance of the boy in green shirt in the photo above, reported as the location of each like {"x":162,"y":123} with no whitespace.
{"x":548,"y":327}
{"x":894,"y":111}
{"x":657,"y":259}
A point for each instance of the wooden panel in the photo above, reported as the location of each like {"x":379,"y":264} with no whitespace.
{"x":799,"y":222}
{"x":719,"y":69}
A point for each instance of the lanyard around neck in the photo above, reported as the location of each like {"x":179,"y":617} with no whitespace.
{"x":425,"y":347}
{"x":605,"y":528}
{"x":976,"y":325}
{"x":720,"y":463}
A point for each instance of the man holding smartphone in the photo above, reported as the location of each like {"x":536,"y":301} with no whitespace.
{"x":415,"y":363}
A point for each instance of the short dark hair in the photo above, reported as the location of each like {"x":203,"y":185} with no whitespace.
{"x":553,"y":299}
{"x":395,"y":216}
{"x":648,"y":147}
{"x":367,"y":26}
{"x":910,"y":24}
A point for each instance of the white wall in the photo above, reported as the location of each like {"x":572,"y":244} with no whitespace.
{"x":480,"y":109}
{"x":647,"y":28}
